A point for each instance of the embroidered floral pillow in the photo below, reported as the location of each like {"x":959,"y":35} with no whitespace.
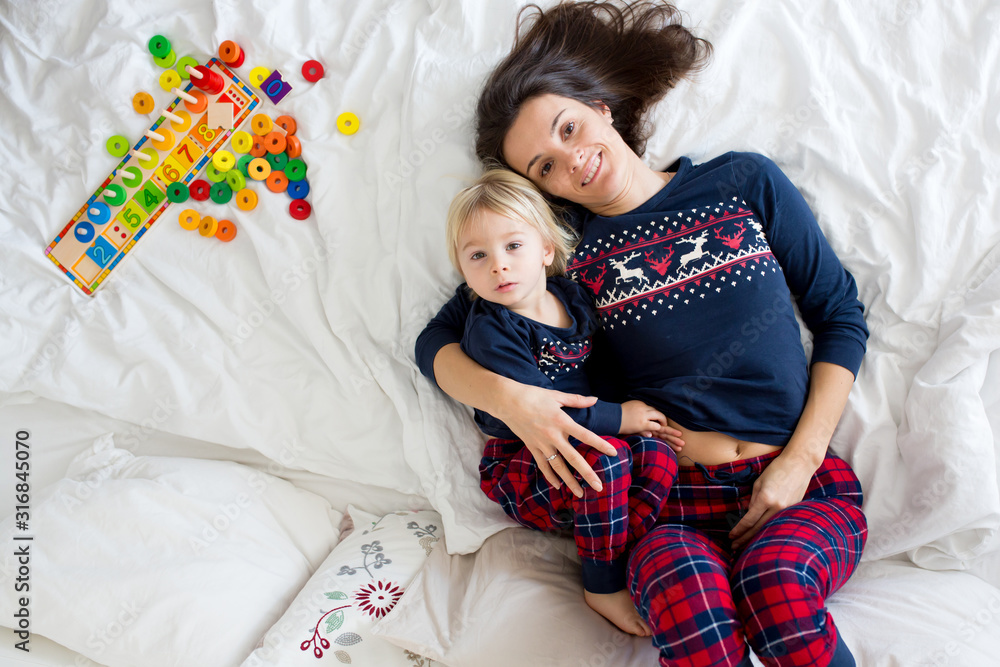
{"x":359,"y":582}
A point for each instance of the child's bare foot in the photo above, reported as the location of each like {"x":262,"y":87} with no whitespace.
{"x":618,"y":608}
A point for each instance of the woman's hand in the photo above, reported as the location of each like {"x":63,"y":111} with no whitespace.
{"x":786,"y":479}
{"x":536,"y":416}
{"x":637,"y":417}
{"x":781,"y":484}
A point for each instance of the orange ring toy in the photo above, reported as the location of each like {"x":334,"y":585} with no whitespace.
{"x":276,"y":181}
{"x":286,"y":123}
{"x":226,"y":231}
{"x":293,"y":147}
{"x":274,"y":142}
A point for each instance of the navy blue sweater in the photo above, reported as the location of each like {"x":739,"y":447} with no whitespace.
{"x":541,"y":355}
{"x":694,"y":290}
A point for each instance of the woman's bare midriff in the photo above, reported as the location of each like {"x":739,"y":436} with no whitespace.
{"x":713,"y":448}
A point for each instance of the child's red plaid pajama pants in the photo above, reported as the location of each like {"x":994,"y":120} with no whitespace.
{"x":705,"y":604}
{"x":607,"y":523}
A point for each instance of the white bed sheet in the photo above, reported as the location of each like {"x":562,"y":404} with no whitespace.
{"x":293,"y":343}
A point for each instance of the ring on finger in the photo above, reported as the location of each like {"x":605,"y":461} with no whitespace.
{"x":549,"y":458}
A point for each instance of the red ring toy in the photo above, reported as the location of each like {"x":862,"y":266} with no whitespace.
{"x":312,"y":71}
{"x":200,"y":190}
{"x":299,"y":209}
{"x":211,"y":82}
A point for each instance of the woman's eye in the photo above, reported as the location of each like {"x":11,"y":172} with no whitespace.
{"x":544,"y":171}
{"x":568,"y":130}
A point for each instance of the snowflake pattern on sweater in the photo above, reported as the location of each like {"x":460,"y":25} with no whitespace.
{"x":556,"y":357}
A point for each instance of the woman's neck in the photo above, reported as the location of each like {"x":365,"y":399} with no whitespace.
{"x":641,"y":184}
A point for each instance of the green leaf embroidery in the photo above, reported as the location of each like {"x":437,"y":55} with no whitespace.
{"x":343,"y":656}
{"x":348,"y":639}
{"x":334,"y":621}
{"x":336,"y":595}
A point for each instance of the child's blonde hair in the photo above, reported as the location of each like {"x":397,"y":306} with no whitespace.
{"x":511,"y":195}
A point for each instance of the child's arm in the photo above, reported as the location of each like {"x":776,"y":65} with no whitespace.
{"x":498,"y":345}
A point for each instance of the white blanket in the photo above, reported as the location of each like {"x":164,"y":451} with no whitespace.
{"x":296,"y":338}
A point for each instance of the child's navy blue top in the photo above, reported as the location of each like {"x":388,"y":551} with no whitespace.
{"x":694,"y":291}
{"x":538,"y":354}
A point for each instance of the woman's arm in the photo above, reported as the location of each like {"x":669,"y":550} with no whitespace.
{"x":785,"y":480}
{"x":533,"y":413}
{"x":827,"y":297}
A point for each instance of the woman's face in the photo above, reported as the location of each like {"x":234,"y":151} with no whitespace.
{"x":570,"y":150}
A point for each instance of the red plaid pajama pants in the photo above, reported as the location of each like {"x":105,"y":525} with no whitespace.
{"x":705,"y":603}
{"x":605,"y":524}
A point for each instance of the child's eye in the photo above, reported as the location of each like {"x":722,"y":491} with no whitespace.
{"x":513,"y":246}
{"x":478,"y":255}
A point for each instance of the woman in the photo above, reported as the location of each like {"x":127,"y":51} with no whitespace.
{"x":692,"y":271}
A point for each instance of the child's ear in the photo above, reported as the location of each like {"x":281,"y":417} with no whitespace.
{"x":550,"y":255}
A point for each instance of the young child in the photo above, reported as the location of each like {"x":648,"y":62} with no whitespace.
{"x":531,"y":324}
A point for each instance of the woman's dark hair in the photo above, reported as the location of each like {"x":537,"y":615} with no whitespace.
{"x":624,"y":56}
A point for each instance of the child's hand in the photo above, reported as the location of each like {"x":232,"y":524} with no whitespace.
{"x":637,"y":417}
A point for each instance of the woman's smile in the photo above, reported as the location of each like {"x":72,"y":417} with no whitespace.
{"x":595,"y":167}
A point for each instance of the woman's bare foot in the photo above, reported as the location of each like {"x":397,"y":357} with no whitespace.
{"x":618,"y":608}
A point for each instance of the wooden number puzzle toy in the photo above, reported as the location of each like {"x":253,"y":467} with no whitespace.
{"x":176,"y":147}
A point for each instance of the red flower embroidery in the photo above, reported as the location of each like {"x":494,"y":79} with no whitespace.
{"x":378,"y":597}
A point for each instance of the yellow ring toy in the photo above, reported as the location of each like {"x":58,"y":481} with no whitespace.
{"x":258,"y":75}
{"x":246,"y":199}
{"x":185,"y":121}
{"x":166,"y":143}
{"x":223,"y":161}
{"x":348,"y":123}
{"x":261,"y":124}
{"x":208,"y":226}
{"x":242,"y":141}
{"x":169,"y":79}
{"x":151,"y":159}
{"x":259,"y":169}
{"x":142,"y":102}
{"x":189,"y":219}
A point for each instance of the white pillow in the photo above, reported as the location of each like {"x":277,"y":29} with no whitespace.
{"x":517,"y":601}
{"x":360,"y":581}
{"x":160,"y":560}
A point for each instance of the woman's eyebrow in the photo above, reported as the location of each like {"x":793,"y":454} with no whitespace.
{"x":552,"y":131}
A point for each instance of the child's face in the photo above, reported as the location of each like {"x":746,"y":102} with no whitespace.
{"x":504,"y":260}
